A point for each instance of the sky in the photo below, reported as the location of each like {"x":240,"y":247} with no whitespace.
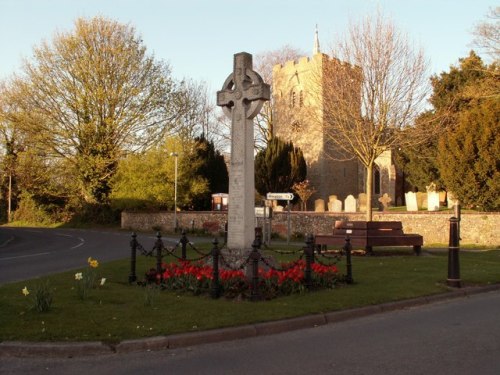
{"x":198,"y":38}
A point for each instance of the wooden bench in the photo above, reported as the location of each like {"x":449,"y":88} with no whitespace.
{"x":368,"y":234}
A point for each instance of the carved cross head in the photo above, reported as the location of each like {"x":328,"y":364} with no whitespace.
{"x":244,"y":91}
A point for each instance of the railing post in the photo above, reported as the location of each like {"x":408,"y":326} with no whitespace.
{"x":453,"y":258}
{"x":309,"y":254}
{"x":184,"y":241}
{"x":255,"y":258}
{"x":215,"y":287}
{"x":133,"y":255}
{"x":347,"y":250}
{"x":159,"y":246}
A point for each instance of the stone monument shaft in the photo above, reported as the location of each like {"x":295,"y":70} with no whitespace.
{"x":241,"y":98}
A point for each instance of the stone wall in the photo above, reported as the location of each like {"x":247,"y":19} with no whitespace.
{"x":475,"y":228}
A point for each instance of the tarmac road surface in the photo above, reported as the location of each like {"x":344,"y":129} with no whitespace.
{"x":26,"y":253}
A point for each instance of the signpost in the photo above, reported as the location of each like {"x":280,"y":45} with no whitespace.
{"x":283,"y":197}
{"x":280,"y":196}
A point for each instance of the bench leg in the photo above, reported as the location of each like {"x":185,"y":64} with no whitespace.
{"x":417,"y":249}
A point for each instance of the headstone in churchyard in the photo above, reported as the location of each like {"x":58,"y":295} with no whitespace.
{"x":362,"y":202}
{"x":442,"y":198}
{"x":319,"y":205}
{"x":411,"y":201}
{"x":335,"y":206}
{"x":241,"y":98}
{"x":350,"y":204}
{"x":385,"y":200}
{"x":432,"y":201}
{"x":421,"y":200}
{"x":451,"y":200}
{"x":332,"y":198}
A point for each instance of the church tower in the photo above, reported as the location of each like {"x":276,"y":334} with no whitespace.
{"x":299,"y":94}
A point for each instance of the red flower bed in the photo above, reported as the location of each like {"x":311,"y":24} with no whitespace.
{"x":196,"y":277}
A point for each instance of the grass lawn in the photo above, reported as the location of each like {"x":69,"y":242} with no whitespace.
{"x":116,"y":311}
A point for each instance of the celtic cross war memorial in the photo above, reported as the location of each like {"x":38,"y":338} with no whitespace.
{"x":241,"y":98}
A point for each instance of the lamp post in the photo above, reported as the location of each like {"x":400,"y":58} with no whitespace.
{"x":175,"y":155}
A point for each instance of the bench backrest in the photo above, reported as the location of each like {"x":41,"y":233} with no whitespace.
{"x":368,"y":228}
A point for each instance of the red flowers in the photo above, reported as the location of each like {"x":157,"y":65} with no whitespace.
{"x":289,"y":278}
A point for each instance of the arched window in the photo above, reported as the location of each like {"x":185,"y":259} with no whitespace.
{"x":376,"y":180}
{"x":293,"y":99}
{"x":301,"y":99}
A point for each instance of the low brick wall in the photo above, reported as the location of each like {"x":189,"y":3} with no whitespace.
{"x":475,"y":228}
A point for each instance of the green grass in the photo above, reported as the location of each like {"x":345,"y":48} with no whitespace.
{"x":117,"y":311}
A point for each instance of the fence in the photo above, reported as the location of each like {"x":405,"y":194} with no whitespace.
{"x":310,"y":253}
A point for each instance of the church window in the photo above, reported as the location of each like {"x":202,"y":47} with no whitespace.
{"x":293,"y":99}
{"x":376,"y":180}
{"x":301,"y":99}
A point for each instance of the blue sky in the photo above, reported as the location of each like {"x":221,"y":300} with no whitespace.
{"x":199,"y":37}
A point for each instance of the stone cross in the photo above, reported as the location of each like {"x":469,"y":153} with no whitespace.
{"x":385,"y":200}
{"x":241,"y":98}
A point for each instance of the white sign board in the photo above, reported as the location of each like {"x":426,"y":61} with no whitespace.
{"x":280,"y":196}
{"x":262,"y":211}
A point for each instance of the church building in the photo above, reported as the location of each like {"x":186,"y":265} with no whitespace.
{"x":300,"y":95}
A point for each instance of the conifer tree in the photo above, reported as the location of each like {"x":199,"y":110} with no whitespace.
{"x":278,"y":167}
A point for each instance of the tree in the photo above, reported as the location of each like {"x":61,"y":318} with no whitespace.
{"x":94,"y":93}
{"x":487,"y":34}
{"x":374,"y":91}
{"x":278,"y":167}
{"x":211,"y":166}
{"x":453,"y":93}
{"x":304,"y":190}
{"x":469,"y":156}
{"x":147,"y":180}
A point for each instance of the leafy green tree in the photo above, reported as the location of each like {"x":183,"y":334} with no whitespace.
{"x":147,"y":180}
{"x":279,"y":167}
{"x":454,"y":93}
{"x":92,"y":94}
{"x":448,"y":97}
{"x":469,"y":156}
{"x":211,"y":166}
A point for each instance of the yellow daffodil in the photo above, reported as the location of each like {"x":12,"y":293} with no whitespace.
{"x":26,"y":291}
{"x":78,"y":276}
{"x":94,"y":263}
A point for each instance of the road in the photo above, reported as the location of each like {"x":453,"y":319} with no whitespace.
{"x":456,"y":337}
{"x":26,"y":253}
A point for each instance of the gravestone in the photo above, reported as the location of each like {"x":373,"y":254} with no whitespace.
{"x":335,"y":206}
{"x":350,"y":204}
{"x":451,"y":200}
{"x":432,"y":201}
{"x":319,"y":205}
{"x":421,"y":199}
{"x":411,"y":201}
{"x":332,"y":198}
{"x":362,"y":202}
{"x":241,"y":98}
{"x":385,"y":200}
